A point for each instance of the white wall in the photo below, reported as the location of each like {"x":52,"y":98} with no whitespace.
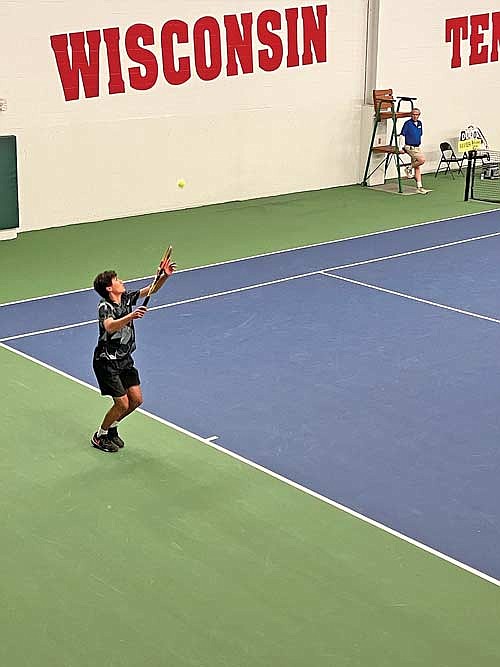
{"x":235,"y":137}
{"x":251,"y":135}
{"x":415,"y":59}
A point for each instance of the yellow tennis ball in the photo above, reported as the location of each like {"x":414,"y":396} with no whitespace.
{"x":181,"y":183}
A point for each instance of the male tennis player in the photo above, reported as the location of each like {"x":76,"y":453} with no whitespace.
{"x":113,"y":364}
{"x":412,"y":131}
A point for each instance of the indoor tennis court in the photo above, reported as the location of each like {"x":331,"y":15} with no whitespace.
{"x":306,"y":472}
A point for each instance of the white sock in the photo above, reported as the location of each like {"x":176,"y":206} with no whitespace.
{"x":114,"y":425}
{"x":102,"y":431}
{"x":419,"y":184}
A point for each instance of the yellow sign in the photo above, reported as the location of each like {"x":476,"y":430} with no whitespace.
{"x":466,"y":145}
{"x":471,"y":139}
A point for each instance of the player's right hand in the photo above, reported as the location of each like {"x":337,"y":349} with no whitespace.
{"x":138,"y":313}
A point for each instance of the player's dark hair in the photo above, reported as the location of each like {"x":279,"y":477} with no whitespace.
{"x":102,"y":281}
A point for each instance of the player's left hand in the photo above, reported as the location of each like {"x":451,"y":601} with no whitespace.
{"x":167,"y":267}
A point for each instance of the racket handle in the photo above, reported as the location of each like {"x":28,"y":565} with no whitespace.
{"x":146,"y":300}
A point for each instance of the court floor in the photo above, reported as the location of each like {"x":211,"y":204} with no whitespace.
{"x":362,"y":373}
{"x":363,"y":370}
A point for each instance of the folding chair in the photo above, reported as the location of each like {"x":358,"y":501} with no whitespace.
{"x":448,"y":158}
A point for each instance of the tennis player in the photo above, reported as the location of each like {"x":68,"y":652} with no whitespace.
{"x":113,"y":363}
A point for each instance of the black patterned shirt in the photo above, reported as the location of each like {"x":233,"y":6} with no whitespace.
{"x":121,"y":343}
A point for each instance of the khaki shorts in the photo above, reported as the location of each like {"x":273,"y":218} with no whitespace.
{"x":414,"y":152}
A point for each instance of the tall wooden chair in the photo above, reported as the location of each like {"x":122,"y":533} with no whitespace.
{"x":387,"y":107}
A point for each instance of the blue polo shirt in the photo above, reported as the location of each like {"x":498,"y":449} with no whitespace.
{"x":412,"y":132}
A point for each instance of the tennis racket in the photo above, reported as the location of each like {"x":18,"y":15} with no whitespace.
{"x":165,"y":268}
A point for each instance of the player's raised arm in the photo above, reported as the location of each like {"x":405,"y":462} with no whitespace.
{"x":165,"y":270}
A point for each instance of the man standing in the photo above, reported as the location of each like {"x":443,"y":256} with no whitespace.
{"x":412,"y":132}
{"x":113,"y":363}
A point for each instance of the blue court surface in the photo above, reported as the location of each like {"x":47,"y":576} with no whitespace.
{"x":366,"y":370}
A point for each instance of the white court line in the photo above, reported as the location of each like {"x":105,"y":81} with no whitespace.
{"x":266,"y":254}
{"x":166,"y":305}
{"x":44,"y":331}
{"x":412,"y":252}
{"x":277,"y":476}
{"x":215,"y":295}
{"x":411,"y":298}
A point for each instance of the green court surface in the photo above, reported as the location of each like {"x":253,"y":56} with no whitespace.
{"x":175,"y":554}
{"x":61,"y":259}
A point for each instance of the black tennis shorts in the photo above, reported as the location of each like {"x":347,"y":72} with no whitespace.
{"x":114,"y":377}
